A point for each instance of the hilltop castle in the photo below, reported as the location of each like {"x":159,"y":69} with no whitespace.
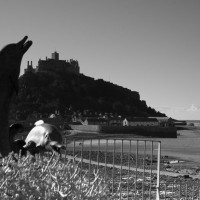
{"x":52,"y":63}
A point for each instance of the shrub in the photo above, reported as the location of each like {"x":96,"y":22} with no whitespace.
{"x":44,"y":178}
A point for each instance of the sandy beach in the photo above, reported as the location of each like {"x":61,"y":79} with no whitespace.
{"x":185,"y":147}
{"x":184,"y":150}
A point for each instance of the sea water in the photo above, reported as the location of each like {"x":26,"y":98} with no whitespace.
{"x":185,"y":147}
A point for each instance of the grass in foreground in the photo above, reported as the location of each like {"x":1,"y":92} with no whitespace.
{"x":34,"y":179}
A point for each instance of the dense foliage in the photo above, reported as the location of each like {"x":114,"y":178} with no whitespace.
{"x":45,"y":178}
{"x":47,"y":91}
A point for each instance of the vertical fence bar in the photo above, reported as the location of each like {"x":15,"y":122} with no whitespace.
{"x":129,"y":155}
{"x":198,"y":194}
{"x":122,"y":146}
{"x":113,"y":169}
{"x":98,"y":161}
{"x":81,"y":163}
{"x":74,"y":146}
{"x":158,"y":173}
{"x":98,"y":151}
{"x":65,"y":150}
{"x":180,"y":190}
{"x":186,"y":191}
{"x":136,"y":166}
{"x":105,"y":174}
{"x":90,"y":151}
{"x":143,"y":181}
{"x":151,"y":170}
{"x":193,"y":191}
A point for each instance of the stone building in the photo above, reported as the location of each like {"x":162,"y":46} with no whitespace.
{"x":55,"y":64}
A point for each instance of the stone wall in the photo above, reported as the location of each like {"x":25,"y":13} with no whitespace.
{"x":147,"y":131}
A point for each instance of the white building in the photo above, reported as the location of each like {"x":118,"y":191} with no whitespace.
{"x":140,"y":121}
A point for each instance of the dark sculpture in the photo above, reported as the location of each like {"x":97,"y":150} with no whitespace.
{"x":10,"y":62}
{"x":17,"y":145}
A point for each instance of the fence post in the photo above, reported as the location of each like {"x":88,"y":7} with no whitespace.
{"x":158,"y":173}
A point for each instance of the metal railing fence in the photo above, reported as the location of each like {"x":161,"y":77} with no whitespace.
{"x":130,"y":168}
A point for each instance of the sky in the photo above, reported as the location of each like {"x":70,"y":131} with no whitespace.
{"x":149,"y":46}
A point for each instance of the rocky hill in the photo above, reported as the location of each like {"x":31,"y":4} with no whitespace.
{"x":50,"y":90}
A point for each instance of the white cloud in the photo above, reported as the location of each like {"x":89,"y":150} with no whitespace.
{"x":194,"y":108}
{"x":182,"y":113}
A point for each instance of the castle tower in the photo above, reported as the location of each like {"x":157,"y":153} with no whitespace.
{"x":55,"y":56}
{"x":29,"y":67}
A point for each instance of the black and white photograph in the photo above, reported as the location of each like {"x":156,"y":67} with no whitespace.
{"x":99,"y":99}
